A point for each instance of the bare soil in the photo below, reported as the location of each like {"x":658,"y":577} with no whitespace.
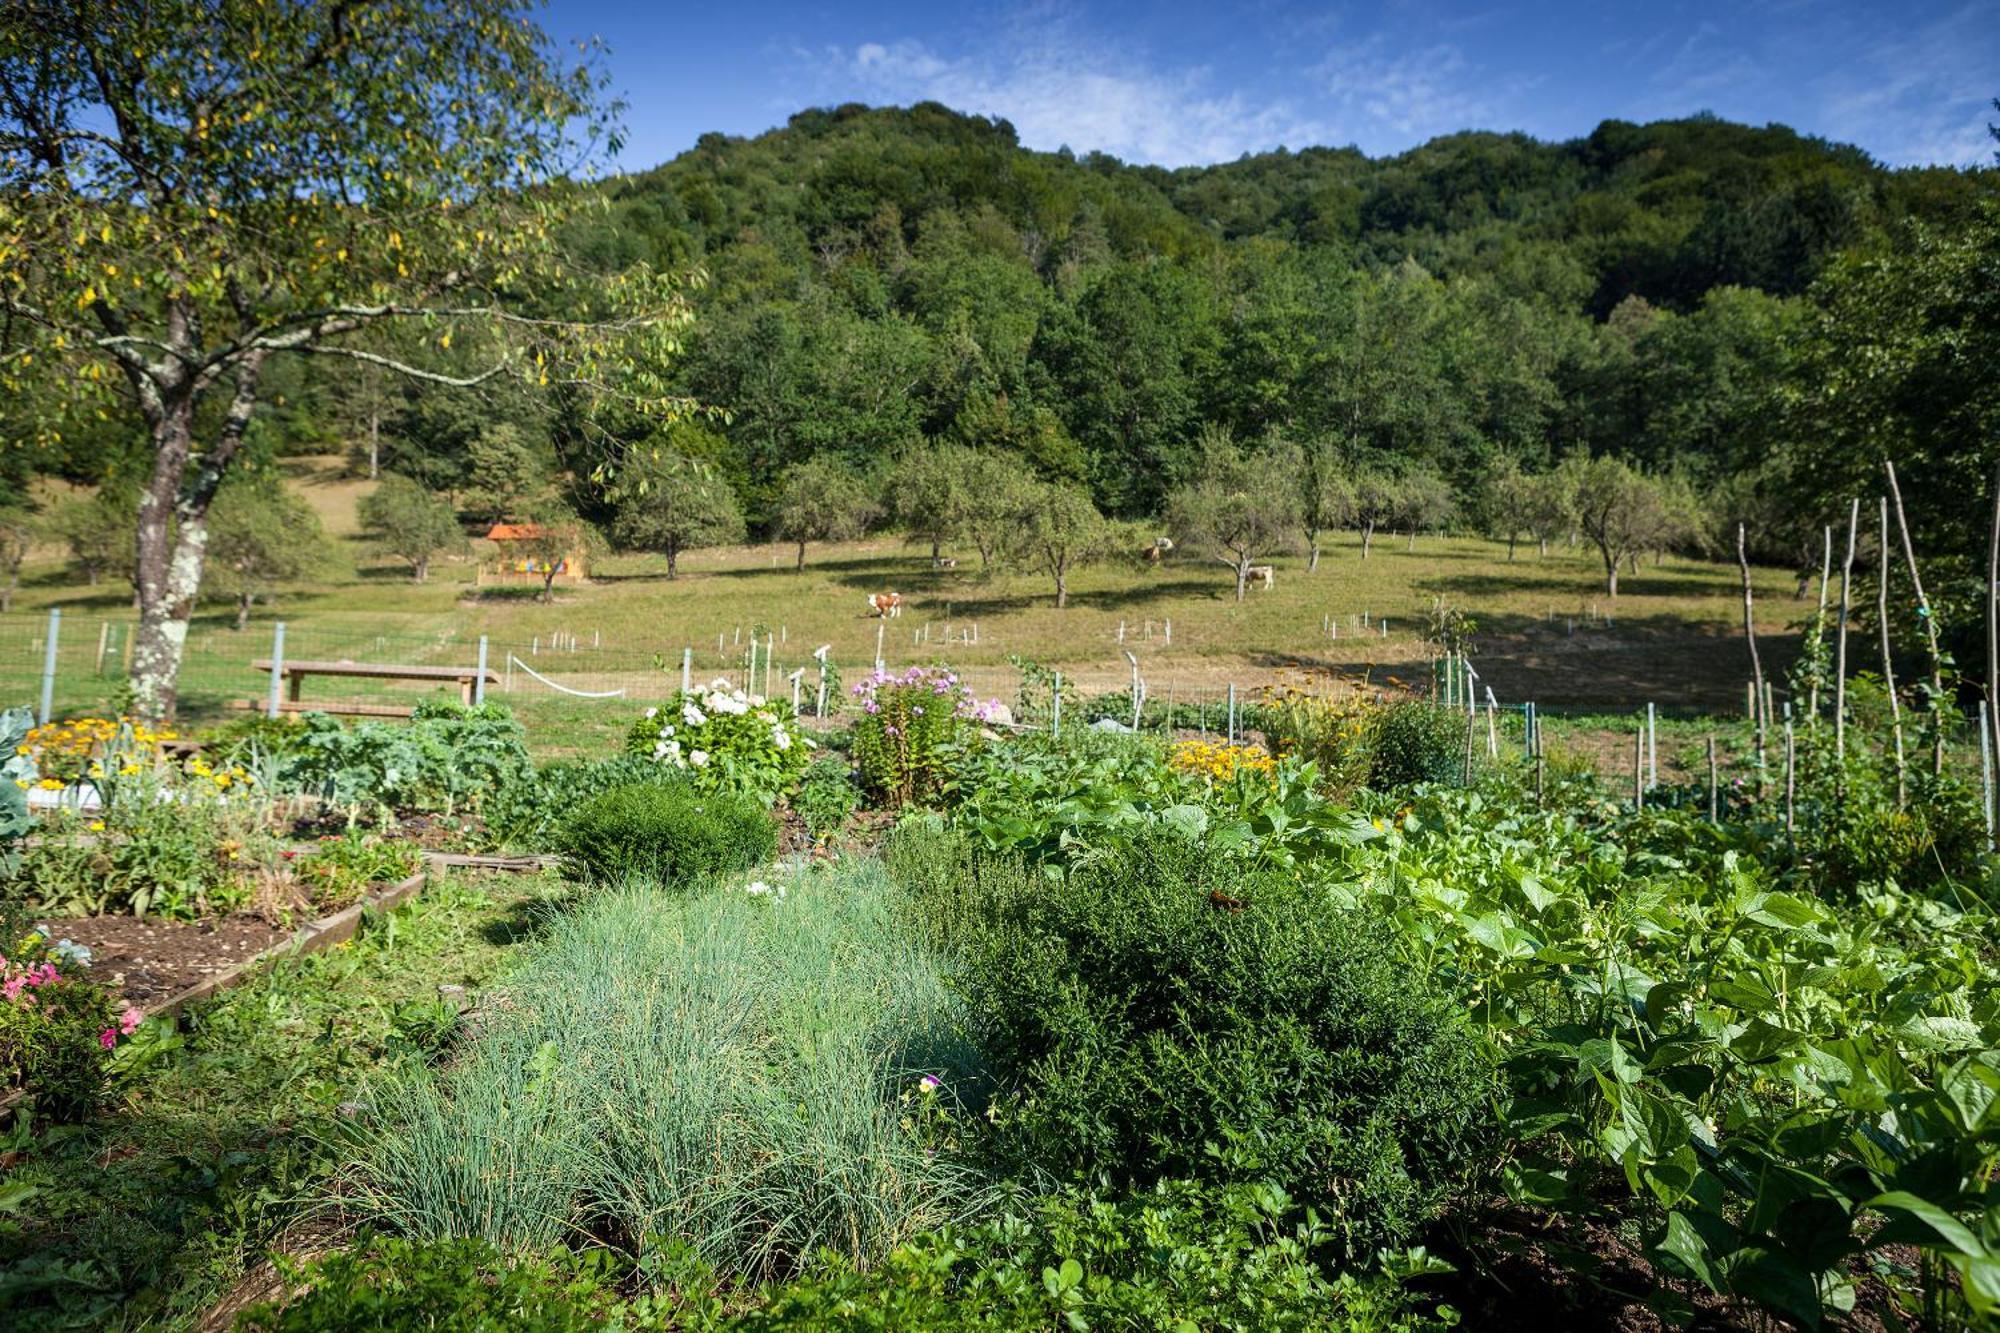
{"x":147,"y":959}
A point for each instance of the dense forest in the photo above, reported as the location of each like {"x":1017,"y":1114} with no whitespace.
{"x":1694,"y":297}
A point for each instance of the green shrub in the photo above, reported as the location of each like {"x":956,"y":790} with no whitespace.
{"x":447,"y":758}
{"x":529,"y":815}
{"x":1161,"y":1019}
{"x":827,"y":798}
{"x":1180,"y":1256}
{"x":669,"y":833}
{"x":723,"y":739}
{"x":1417,"y":741}
{"x":462,"y":1286}
{"x":741,"y":1074}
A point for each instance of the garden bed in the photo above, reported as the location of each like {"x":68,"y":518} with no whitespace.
{"x":148,"y":959}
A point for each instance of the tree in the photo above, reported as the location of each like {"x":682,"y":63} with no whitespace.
{"x":1375,"y":499}
{"x":505,"y":477}
{"x":17,"y":535}
{"x":191,"y":193}
{"x":1551,"y":509}
{"x":409,"y":522}
{"x":554,"y":534}
{"x":261,"y":535}
{"x":931,"y":493}
{"x":1423,"y":500}
{"x":820,"y":500}
{"x":673,"y":504}
{"x":1238,"y":506}
{"x":1057,"y":530}
{"x":998,"y":490}
{"x":97,"y":531}
{"x":1621,"y":510}
{"x":1508,"y":500}
{"x":1326,"y":495}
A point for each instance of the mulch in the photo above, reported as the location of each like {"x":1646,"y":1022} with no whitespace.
{"x":146,"y":959}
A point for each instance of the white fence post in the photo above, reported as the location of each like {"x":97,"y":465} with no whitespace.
{"x":277,"y":667}
{"x":49,"y":665}
{"x":479,"y":681}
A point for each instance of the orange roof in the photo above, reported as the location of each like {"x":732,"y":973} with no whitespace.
{"x":514,"y":532}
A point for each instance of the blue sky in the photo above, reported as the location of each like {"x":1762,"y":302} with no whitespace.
{"x":1179,"y":82}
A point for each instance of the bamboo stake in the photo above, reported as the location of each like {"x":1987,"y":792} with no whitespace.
{"x":1819,"y":619}
{"x":1888,"y":661}
{"x":1930,"y":624}
{"x":1840,"y":655}
{"x":1711,"y":781}
{"x":1989,"y":738}
{"x":1762,"y":713}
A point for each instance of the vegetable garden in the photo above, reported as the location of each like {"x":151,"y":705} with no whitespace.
{"x":909,"y":1019}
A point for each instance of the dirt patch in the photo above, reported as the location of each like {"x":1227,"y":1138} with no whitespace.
{"x":146,"y":959}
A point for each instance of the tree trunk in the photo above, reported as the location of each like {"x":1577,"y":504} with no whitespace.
{"x":1413,"y":540}
{"x":422,"y":569}
{"x":673,"y":562}
{"x":243,"y":600}
{"x":7,"y":593}
{"x":1543,"y":543}
{"x":172,"y":535}
{"x":375,"y":441}
{"x":548,"y":584}
{"x":1312,"y":559}
{"x":1511,"y":539}
{"x":1062,"y":587}
{"x":1242,"y":577}
{"x":1367,"y":535}
{"x":800,"y":566}
{"x":1610,"y":570}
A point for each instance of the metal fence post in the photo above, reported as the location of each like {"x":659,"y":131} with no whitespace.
{"x":1232,"y":712}
{"x":687,"y":669}
{"x":49,"y":665}
{"x":479,"y":681}
{"x":1055,"y":707}
{"x":277,"y":667}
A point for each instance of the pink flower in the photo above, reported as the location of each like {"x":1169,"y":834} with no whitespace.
{"x":129,"y":1021}
{"x":107,"y":1038}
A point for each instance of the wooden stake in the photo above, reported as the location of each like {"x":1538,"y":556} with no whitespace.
{"x":1930,"y":624}
{"x":1791,"y":780}
{"x":1840,"y":654}
{"x":1750,"y":635}
{"x":1639,"y":769}
{"x":1712,"y":806}
{"x":1888,"y":659}
{"x":1819,"y":619}
{"x":1988,"y":738}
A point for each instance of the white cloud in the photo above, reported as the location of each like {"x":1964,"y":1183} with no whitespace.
{"x":1057,"y":88}
{"x":1415,"y":94}
{"x":1918,"y":94}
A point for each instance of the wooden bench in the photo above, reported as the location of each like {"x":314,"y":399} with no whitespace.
{"x":295,"y":673}
{"x":332,"y":709}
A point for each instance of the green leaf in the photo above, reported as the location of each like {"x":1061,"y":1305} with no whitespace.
{"x":1948,"y":1228}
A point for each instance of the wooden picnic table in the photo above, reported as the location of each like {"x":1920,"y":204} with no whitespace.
{"x":296,"y":671}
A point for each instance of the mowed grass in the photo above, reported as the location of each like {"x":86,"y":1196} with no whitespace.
{"x":1545,"y":628}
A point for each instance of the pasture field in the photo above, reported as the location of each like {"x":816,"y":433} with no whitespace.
{"x":1543,"y":629}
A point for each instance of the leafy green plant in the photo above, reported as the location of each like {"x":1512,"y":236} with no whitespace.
{"x":1163,"y":1015}
{"x":908,"y":728}
{"x":447,"y":758}
{"x":529,"y":815}
{"x":827,"y":798}
{"x":1182,"y":1255}
{"x":671,"y":833}
{"x":17,"y":774}
{"x":724,"y":740}
{"x":1417,"y":741}
{"x":339,"y":869}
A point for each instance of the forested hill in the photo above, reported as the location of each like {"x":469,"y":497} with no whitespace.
{"x":881,"y":276}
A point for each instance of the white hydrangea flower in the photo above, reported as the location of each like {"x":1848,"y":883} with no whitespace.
{"x":652,"y":713}
{"x":692,"y":715}
{"x":699,"y":758}
{"x":780,"y":739}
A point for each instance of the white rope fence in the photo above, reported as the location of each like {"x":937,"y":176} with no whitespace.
{"x":581,"y":694}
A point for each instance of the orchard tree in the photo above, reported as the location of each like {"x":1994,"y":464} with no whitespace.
{"x":1326,"y":495}
{"x":261,"y":535}
{"x":1551,"y":509}
{"x":1376,"y":496}
{"x":1507,"y":502}
{"x":192,"y":192}
{"x":997,"y":487}
{"x":930,"y":494}
{"x":821,"y":500}
{"x":1621,"y":510}
{"x":553,"y":534}
{"x":1058,"y":529}
{"x":1238,"y":506}
{"x":409,"y":522}
{"x":1424,"y":500}
{"x":672,"y":504}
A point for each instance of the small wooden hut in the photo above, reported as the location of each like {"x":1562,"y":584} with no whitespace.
{"x":525,"y":551}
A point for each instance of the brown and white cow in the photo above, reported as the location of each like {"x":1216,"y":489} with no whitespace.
{"x":886,"y":604}
{"x":1264,"y":574}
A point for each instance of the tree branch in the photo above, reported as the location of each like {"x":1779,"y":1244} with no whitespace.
{"x":403,"y":367}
